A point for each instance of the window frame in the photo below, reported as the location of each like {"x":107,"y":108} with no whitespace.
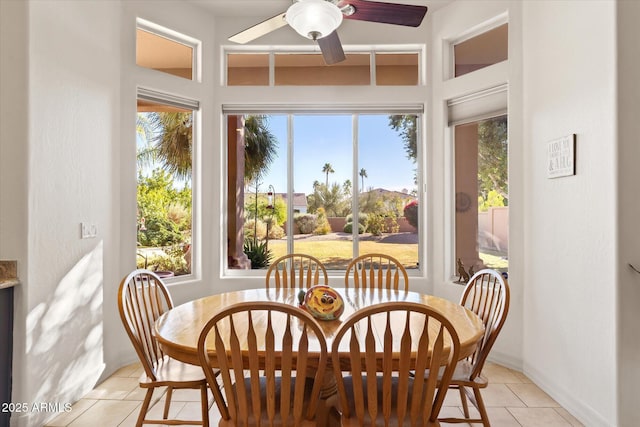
{"x":418,"y":49}
{"x":418,"y":109}
{"x":449,"y":51}
{"x":177,"y":91}
{"x":193,"y":105}
{"x":174,"y":36}
{"x":450,"y":204}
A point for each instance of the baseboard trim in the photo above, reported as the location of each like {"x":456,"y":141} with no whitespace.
{"x":584,"y":413}
{"x":505,"y":360}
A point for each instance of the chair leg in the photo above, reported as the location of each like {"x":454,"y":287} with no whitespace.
{"x":145,"y":407}
{"x":463,"y":399}
{"x":204,"y":402}
{"x":481,"y":407}
{"x":167,"y":403}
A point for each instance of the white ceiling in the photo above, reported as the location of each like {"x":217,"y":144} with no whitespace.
{"x":268,"y":8}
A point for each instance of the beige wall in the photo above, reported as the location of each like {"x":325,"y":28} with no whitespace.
{"x":570,"y":311}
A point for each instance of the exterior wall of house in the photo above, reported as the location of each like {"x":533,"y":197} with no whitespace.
{"x":569,"y":325}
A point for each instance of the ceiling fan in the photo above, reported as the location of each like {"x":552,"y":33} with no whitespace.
{"x":318,"y":20}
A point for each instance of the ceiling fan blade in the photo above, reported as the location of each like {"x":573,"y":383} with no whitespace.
{"x":259,"y":30}
{"x":386,"y":13}
{"x":331,"y":48}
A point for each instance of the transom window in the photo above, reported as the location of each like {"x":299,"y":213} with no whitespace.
{"x":481,"y":50}
{"x":381,"y":68}
{"x":164,"y":50}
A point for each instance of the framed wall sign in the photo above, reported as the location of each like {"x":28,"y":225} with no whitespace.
{"x":561,"y":156}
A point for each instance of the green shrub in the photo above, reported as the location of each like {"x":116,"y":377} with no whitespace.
{"x":258,"y":253}
{"x":323,"y":227}
{"x":251,"y":229}
{"x":160,"y":231}
{"x":306,"y":223}
{"x":348,"y":228}
{"x":363,"y":219}
{"x":376,"y":224}
{"x":172,"y":260}
{"x":275,"y":231}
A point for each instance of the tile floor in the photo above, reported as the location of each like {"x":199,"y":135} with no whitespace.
{"x":511,"y":400}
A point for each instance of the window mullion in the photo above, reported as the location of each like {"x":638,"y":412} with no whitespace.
{"x":355,"y":199}
{"x":290,"y":166}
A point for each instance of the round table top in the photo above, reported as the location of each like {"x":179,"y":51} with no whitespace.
{"x":178,"y":329}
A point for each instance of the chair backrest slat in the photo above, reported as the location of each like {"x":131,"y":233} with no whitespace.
{"x":395,"y":338}
{"x":376,"y":271}
{"x":296,"y":271}
{"x":142,"y":299}
{"x":265,"y":338}
{"x":487,"y":295}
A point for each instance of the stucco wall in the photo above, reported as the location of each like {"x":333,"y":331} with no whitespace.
{"x":72,"y":94}
{"x":449,"y":24}
{"x":570,"y":228}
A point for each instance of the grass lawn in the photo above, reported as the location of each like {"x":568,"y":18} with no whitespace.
{"x":336,"y":254}
{"x":495,"y":261}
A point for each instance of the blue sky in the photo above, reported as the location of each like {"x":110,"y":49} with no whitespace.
{"x":320,"y":139}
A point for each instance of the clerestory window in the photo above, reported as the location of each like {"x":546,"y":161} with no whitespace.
{"x":283,"y":68}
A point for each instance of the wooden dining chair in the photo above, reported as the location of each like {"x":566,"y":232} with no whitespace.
{"x":272,"y":358}
{"x":375,"y":270}
{"x":296,"y":271}
{"x":487,"y":295}
{"x":142,"y":298}
{"x":384,"y":343}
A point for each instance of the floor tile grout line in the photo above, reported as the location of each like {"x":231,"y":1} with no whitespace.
{"x":559,"y":411}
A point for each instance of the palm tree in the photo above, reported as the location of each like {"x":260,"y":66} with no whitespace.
{"x":169,"y":141}
{"x":363,"y":175}
{"x":327,"y":169}
{"x":260,"y":147}
{"x":169,"y":137}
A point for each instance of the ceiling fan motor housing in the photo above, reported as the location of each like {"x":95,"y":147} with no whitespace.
{"x":314,"y":19}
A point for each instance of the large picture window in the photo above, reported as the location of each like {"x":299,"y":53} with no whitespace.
{"x":329,"y":185}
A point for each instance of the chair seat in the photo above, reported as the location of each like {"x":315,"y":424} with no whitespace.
{"x":352,"y":421}
{"x":176,"y":374}
{"x":264,"y":418}
{"x":462,"y":374}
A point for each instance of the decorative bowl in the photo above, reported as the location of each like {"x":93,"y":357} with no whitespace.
{"x":323,"y":302}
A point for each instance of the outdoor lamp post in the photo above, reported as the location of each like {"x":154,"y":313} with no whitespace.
{"x":271,"y":207}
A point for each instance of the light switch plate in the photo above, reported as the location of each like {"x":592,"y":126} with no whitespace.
{"x":88,"y":230}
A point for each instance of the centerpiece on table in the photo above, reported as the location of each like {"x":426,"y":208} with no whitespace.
{"x":323,"y":302}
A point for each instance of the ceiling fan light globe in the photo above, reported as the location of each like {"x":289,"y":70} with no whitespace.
{"x":314,"y":19}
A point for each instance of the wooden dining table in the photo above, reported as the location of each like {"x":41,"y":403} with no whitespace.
{"x":178,"y":329}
